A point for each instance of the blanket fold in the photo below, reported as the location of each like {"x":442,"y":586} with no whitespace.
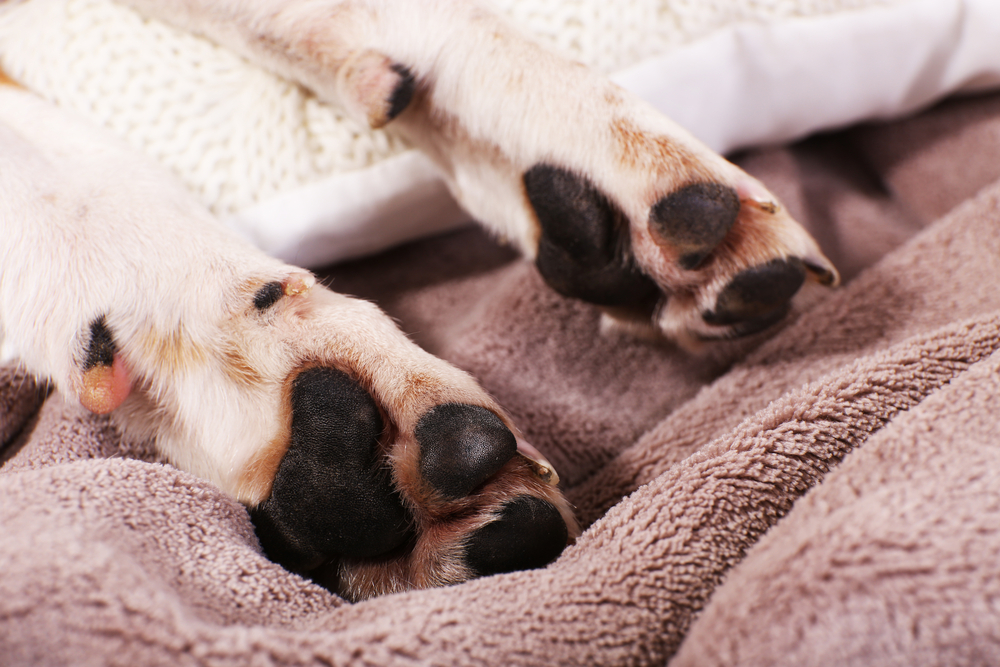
{"x":824,"y":493}
{"x":894,"y":560}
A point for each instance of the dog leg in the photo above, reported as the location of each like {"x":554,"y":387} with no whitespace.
{"x":364,"y":459}
{"x":616,"y":204}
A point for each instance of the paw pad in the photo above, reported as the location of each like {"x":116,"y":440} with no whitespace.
{"x":461,"y":446}
{"x":375,"y":88}
{"x":528,"y":533}
{"x":583,"y":249}
{"x":332,"y":495}
{"x":694,"y":220}
{"x":268,"y":295}
{"x":758,"y":294}
{"x":105,"y":384}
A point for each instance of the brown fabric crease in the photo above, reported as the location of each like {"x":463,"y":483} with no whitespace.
{"x":824,"y":494}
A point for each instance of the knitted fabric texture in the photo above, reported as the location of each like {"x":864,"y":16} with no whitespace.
{"x":237,"y":135}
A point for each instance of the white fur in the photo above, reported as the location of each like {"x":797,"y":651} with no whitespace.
{"x":92,"y":230}
{"x":498,"y":104}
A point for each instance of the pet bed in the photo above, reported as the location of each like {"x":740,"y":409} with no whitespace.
{"x":824,"y":493}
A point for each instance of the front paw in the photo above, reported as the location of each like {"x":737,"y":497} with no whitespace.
{"x":368,"y":509}
{"x":708,"y":260}
{"x":617,"y":205}
{"x":368,"y":464}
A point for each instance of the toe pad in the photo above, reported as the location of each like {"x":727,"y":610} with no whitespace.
{"x":528,"y":533}
{"x":694,"y":220}
{"x":461,"y":446}
{"x":757,"y":292}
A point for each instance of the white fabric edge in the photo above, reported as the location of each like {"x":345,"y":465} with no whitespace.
{"x":354,"y":214}
{"x":752,"y":84}
{"x":745,"y":85}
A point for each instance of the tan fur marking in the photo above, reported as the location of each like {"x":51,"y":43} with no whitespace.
{"x":239,"y":370}
{"x":613,"y":98}
{"x":640,"y":150}
{"x":174,"y":351}
{"x":7,"y":81}
{"x":753,"y":240}
{"x":416,"y":387}
{"x":258,"y":474}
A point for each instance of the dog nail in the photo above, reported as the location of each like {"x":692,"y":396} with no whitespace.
{"x":694,"y":220}
{"x":528,"y":533}
{"x":106,"y":382}
{"x":751,"y":190}
{"x":461,"y":446}
{"x":766,"y":205}
{"x":539,"y":464}
{"x":299,"y":283}
{"x":822,"y":272}
{"x":758,"y":292}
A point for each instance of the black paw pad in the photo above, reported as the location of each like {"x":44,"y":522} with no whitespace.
{"x":332,"y":495}
{"x":758,"y":295}
{"x":529,"y":533}
{"x":461,"y":446}
{"x":695,"y":219}
{"x":268,"y":295}
{"x":402,"y":93}
{"x":584,"y":250}
{"x":101,"y":348}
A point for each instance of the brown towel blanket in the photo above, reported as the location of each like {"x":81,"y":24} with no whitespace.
{"x":828,"y":493}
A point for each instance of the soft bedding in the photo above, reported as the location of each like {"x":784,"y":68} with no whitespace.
{"x":309,"y":185}
{"x":824,"y":493}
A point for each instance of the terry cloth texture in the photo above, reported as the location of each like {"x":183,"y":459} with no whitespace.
{"x":827,"y":493}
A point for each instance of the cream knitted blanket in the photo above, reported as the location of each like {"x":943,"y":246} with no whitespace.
{"x":310,"y":185}
{"x":238,"y":135}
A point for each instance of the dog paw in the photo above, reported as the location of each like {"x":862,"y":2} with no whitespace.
{"x":367,"y":463}
{"x":706,"y":260}
{"x":616,"y":204}
{"x":369,"y":510}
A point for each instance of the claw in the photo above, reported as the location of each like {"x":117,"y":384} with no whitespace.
{"x":105,"y":387}
{"x":106,"y":382}
{"x":821,"y":271}
{"x":299,"y":283}
{"x":539,"y":464}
